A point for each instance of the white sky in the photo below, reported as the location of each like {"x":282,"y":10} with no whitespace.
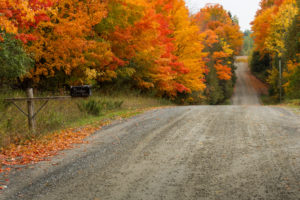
{"x":244,"y":9}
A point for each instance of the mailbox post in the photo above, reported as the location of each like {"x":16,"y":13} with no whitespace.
{"x":76,"y":91}
{"x":30,"y":107}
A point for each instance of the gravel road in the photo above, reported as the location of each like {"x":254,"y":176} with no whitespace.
{"x":243,"y":151}
{"x":244,"y":93}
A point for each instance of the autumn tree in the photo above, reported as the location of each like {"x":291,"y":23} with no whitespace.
{"x":18,"y":20}
{"x":141,"y":35}
{"x":189,"y":50}
{"x":150,"y":45}
{"x":68,"y":44}
{"x":223,"y":40}
{"x":275,"y":35}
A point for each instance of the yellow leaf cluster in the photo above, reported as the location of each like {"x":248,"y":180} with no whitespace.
{"x":279,"y":27}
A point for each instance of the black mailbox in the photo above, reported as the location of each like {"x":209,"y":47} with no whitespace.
{"x":81,"y":91}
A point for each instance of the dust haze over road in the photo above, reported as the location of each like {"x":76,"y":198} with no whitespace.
{"x":243,"y":151}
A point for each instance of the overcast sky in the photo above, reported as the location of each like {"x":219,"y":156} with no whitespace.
{"x":245,"y":10}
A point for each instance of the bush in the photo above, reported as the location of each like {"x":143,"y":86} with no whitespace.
{"x":292,"y":76}
{"x":14,"y":61}
{"x":92,"y":107}
{"x":96,"y":107}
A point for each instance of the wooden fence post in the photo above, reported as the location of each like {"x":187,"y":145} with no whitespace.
{"x":30,"y":105}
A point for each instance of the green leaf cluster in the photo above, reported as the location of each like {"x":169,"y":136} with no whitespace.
{"x":14,"y":61}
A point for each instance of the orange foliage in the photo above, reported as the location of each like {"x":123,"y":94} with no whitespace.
{"x":155,"y":43}
{"x":274,"y":30}
{"x":265,"y":21}
{"x":261,"y":29}
{"x":20,"y":17}
{"x":223,"y":37}
{"x":146,"y":41}
{"x":223,"y":71}
{"x":65,"y":46}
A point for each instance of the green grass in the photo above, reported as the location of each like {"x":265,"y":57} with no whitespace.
{"x":227,"y":102}
{"x":91,"y":120}
{"x":62,"y":114}
{"x":268,"y":100}
{"x":294,"y":105}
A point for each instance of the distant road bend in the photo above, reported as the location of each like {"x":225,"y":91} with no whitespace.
{"x":243,"y":151}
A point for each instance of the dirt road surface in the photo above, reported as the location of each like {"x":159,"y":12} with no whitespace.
{"x":245,"y":93}
{"x":243,"y":151}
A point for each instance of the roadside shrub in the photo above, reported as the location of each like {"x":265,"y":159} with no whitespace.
{"x":292,"y":76}
{"x":92,"y":107}
{"x":97,"y":107}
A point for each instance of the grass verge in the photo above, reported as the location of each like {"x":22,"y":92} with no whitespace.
{"x":293,"y":105}
{"x":68,"y":113}
{"x":42,"y":147}
{"x":61,"y":125}
{"x":268,"y":100}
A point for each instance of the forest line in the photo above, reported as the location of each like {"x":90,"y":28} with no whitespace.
{"x":152,"y":46}
{"x":275,"y":58}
